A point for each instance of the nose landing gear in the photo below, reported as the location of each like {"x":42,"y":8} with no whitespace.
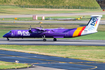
{"x":7,"y":39}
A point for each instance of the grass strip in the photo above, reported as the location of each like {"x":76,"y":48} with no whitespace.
{"x":84,"y":18}
{"x":10,"y":65}
{"x":9,"y":10}
{"x":91,"y":53}
{"x":58,"y":3}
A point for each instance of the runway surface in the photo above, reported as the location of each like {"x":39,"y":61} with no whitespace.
{"x":50,"y":62}
{"x":17,"y":41}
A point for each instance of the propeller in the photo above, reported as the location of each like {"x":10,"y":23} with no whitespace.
{"x":40,"y":24}
{"x":30,"y":29}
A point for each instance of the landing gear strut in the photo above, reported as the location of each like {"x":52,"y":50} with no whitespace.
{"x":44,"y":38}
{"x":7,"y":39}
{"x":54,"y":39}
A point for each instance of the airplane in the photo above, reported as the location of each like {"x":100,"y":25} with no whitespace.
{"x":55,"y":33}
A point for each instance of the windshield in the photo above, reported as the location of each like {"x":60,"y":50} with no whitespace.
{"x":9,"y":31}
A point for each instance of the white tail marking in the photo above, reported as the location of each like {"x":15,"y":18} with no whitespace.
{"x":92,"y":25}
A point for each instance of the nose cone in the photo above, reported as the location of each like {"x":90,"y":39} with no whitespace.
{"x":6,"y":35}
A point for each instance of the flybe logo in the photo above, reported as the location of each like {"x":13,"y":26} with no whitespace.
{"x":93,"y":21}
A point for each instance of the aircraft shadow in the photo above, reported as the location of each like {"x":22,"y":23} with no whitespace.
{"x":39,"y":40}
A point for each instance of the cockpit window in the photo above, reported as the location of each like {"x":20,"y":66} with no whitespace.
{"x":9,"y":31}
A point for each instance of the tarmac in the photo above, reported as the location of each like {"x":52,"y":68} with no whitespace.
{"x":43,"y":62}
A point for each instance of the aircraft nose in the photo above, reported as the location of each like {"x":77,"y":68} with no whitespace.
{"x":6,"y":35}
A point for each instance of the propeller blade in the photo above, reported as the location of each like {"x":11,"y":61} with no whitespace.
{"x":30,"y":27}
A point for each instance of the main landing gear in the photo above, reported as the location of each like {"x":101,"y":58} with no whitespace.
{"x":46,"y":40}
{"x":54,"y":39}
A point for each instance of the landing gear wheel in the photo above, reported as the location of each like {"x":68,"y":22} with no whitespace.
{"x":44,"y":38}
{"x":54,"y":39}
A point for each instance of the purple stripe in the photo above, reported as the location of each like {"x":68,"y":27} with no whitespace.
{"x":72,"y":32}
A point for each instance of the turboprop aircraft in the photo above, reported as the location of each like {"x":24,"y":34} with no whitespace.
{"x":55,"y":33}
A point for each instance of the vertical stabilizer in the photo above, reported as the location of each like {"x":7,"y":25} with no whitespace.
{"x":92,"y":25}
